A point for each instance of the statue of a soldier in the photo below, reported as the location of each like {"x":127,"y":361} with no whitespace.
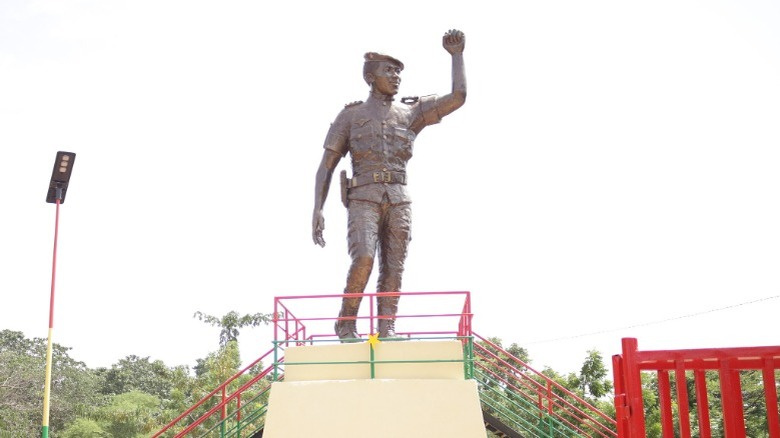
{"x":379,"y":134}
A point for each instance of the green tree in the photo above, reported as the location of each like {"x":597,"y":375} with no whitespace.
{"x":73,"y":390}
{"x":135,"y":373}
{"x":85,"y":428}
{"x":21,"y":383}
{"x":593,"y":377}
{"x":231,"y":322}
{"x":130,"y":415}
{"x":173,"y":386}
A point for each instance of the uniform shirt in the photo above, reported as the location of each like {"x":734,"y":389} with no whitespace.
{"x":379,"y":138}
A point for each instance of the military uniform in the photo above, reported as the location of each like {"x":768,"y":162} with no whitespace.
{"x":379,"y":137}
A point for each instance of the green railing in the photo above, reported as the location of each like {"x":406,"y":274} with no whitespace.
{"x":556,"y":412}
{"x":467,"y":359}
{"x":531,"y":404}
{"x":519,"y":413}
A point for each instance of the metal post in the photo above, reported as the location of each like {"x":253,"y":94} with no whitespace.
{"x":47,"y":384}
{"x":58,"y":186}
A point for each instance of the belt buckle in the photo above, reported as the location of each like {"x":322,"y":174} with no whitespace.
{"x":385,"y":177}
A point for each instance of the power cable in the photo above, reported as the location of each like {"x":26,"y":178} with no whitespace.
{"x":690,"y":315}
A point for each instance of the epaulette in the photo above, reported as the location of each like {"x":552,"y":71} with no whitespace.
{"x":357,"y":102}
{"x":410,"y":100}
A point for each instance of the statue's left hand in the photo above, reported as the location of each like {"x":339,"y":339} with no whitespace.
{"x":454,"y":41}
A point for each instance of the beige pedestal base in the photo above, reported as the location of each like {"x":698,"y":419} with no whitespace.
{"x":374,"y":408}
{"x":419,"y":391}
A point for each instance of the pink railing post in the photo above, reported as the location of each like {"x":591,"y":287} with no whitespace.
{"x":549,"y":398}
{"x":223,"y":415}
{"x":238,"y":409}
{"x":276,"y":318}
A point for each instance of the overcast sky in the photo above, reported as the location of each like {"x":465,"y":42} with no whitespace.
{"x":613,"y":173}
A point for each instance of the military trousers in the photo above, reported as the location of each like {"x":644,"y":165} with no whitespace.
{"x":381,"y":231}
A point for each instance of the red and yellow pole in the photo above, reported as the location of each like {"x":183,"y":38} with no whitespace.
{"x":47,"y":385}
{"x":60,"y":176}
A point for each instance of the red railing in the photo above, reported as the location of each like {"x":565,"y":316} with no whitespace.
{"x":182,"y":421}
{"x":446,"y":317}
{"x":307,"y":325}
{"x":728,"y":362}
{"x":549,"y":397}
{"x":300,"y":328}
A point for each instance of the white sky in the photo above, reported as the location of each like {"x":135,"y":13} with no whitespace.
{"x":615,"y":166}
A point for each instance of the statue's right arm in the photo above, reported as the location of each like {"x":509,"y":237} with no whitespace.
{"x":335,"y":147}
{"x":321,"y":186}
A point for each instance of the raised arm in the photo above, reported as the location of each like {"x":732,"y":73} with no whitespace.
{"x":454,"y":41}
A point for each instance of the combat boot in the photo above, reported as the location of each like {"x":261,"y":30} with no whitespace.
{"x":346,"y":325}
{"x":387,"y":307}
{"x":386,"y":328}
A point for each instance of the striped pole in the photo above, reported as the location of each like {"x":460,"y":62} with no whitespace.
{"x":47,"y":385}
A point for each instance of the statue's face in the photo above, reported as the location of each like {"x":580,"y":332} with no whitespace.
{"x":387,"y":78}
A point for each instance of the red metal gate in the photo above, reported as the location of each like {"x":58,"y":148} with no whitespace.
{"x":727,"y":362}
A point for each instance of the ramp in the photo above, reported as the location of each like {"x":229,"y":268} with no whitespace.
{"x":408,"y":389}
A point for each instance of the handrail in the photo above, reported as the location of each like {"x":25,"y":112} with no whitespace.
{"x":290,"y":328}
{"x":212,"y":393}
{"x":221,"y":405}
{"x":520,"y":403}
{"x":603,"y":425}
{"x":237,"y":412}
{"x":283,"y":317}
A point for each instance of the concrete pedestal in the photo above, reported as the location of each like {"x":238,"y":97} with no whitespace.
{"x":326,"y":394}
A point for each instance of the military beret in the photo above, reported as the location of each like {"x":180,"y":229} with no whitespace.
{"x":373,"y":56}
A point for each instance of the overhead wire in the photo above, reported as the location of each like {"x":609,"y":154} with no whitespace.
{"x":661,"y":321}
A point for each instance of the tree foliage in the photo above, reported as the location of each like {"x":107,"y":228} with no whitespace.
{"x":74,"y":387}
{"x":85,"y":428}
{"x":130,"y":415}
{"x":137,"y":395}
{"x":132,"y":398}
{"x":593,"y":383}
{"x":231,"y":322}
{"x":135,"y":373}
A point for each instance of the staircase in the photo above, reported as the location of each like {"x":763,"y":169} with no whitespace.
{"x":516,"y":400}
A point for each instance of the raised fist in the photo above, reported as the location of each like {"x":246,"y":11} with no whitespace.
{"x":453,"y":41}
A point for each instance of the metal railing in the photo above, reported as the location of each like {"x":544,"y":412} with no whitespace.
{"x":307,"y":326}
{"x":518,"y":395}
{"x":234,"y":412}
{"x":532,"y":401}
{"x":727,"y":363}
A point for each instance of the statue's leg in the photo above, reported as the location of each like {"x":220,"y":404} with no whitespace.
{"x":362,"y":241}
{"x":395,"y":236}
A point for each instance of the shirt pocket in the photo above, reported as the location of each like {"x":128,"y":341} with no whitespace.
{"x":362,"y":135}
{"x":403,"y":142}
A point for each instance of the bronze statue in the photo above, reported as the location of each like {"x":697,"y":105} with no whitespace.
{"x":379,"y":134}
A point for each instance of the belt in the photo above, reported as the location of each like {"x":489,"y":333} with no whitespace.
{"x":388,"y":177}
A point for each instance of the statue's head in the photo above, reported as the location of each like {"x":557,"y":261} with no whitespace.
{"x":382,"y":72}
